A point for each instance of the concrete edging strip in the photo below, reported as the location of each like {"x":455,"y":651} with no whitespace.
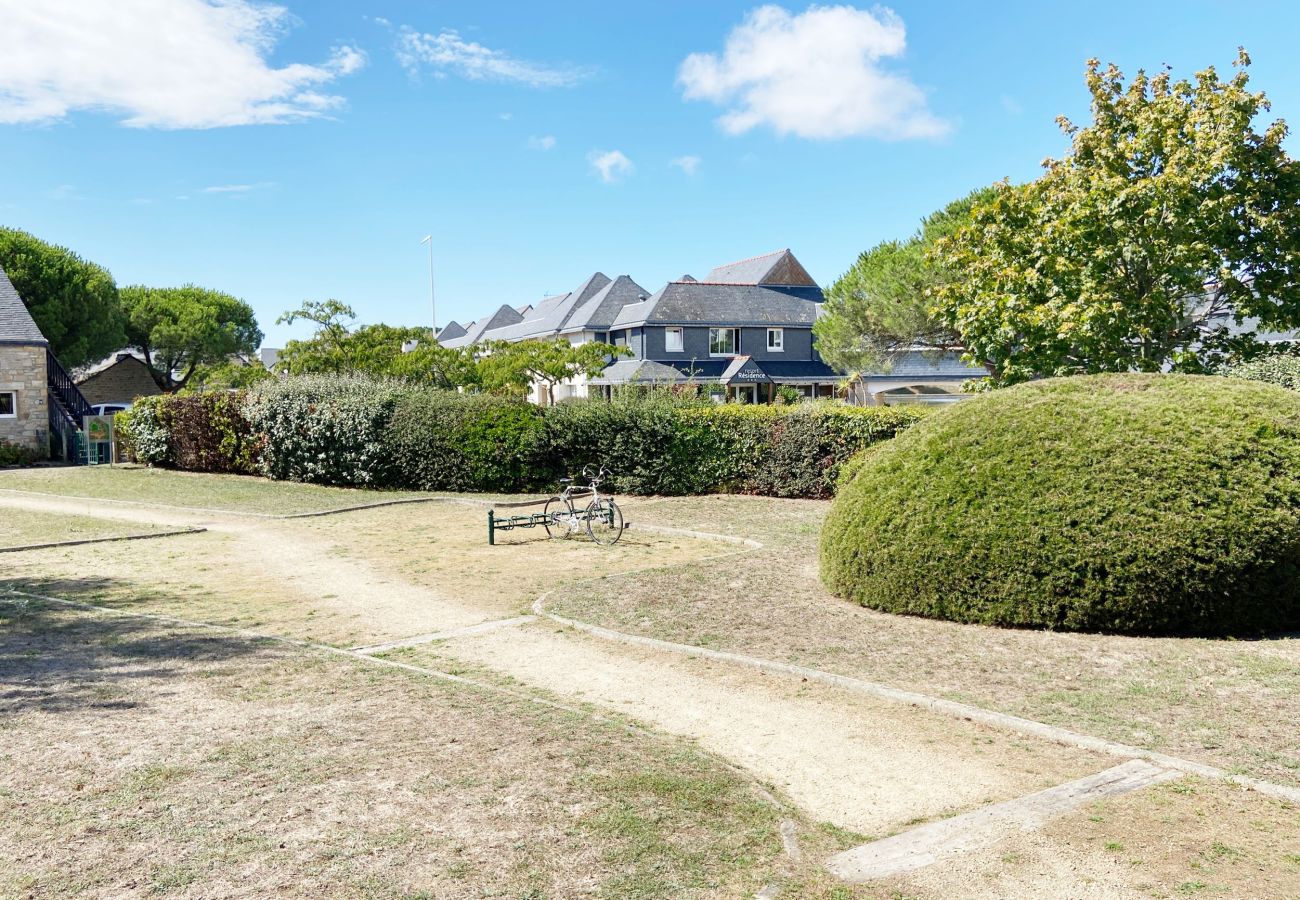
{"x":932,"y":843}
{"x":143,"y":536}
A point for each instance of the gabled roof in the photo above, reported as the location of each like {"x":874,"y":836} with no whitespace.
{"x":598,"y":313}
{"x":124,"y":355}
{"x":779,"y":267}
{"x":16,"y":324}
{"x":451,"y":330}
{"x":701,"y":303}
{"x":505,"y":315}
{"x":551,"y":315}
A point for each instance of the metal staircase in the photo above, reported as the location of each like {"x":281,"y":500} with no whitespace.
{"x":67,"y":411}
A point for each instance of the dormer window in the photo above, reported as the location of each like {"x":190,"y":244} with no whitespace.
{"x":723,"y":342}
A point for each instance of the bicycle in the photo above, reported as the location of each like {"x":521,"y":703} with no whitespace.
{"x":601,"y":517}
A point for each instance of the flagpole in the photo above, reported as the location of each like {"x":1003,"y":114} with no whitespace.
{"x":433,"y":303}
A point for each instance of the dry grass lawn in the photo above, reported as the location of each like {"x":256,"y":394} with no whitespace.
{"x":1186,"y":838}
{"x":138,"y":759}
{"x":233,"y":492}
{"x":1229,"y":703}
{"x":21,"y":528}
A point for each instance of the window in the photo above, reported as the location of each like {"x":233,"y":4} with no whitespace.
{"x":673,"y":342}
{"x":620,"y":339}
{"x":8,"y":405}
{"x":722,"y":342}
{"x":776,"y":340}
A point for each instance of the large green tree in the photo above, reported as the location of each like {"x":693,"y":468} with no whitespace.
{"x":882,"y":307}
{"x":339,"y":345}
{"x":73,"y":301}
{"x":180,"y":329}
{"x":1170,"y":216}
{"x":513,"y":367}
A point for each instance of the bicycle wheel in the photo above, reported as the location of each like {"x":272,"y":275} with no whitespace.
{"x":604,"y":521}
{"x":559,"y":519}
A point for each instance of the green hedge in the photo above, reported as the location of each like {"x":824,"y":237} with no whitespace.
{"x":1143,"y":504}
{"x":358,"y":431}
{"x":197,"y":432}
{"x":440,"y":440}
{"x":1281,"y":369}
{"x":325,"y":429}
{"x":662,"y":445}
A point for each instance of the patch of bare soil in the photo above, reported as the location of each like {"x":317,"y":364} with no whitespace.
{"x":137,"y":759}
{"x":1180,"y":839}
{"x":1227,"y":703}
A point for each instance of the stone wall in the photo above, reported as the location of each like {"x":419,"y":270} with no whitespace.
{"x":125,"y":381}
{"x":22,"y":370}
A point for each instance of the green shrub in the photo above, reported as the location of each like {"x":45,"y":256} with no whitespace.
{"x":664,"y":445}
{"x":359,"y":431}
{"x":634,"y":437}
{"x":1128,"y":503}
{"x":143,"y":432}
{"x":12,"y":455}
{"x":195,"y":432}
{"x":325,"y":429}
{"x":1281,"y":369}
{"x":442,"y":440}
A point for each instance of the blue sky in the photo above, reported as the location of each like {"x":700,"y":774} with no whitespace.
{"x":301,"y":151}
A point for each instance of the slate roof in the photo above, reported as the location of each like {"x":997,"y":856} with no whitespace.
{"x":627,"y":371}
{"x":638,"y":371}
{"x":551,"y":315}
{"x":451,"y":330}
{"x":16,"y":323}
{"x":504,"y":316}
{"x":703,"y":303}
{"x":598,"y":313}
{"x":779,"y":267}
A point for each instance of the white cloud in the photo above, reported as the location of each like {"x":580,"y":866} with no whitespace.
{"x":545,"y":142}
{"x":158,"y":63}
{"x":236,"y":188}
{"x":814,"y":75}
{"x":610,"y":165}
{"x":688,"y":164}
{"x":448,"y":53}
{"x":1011,"y":105}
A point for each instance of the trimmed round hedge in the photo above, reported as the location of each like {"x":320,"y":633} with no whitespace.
{"x":1141,"y":504}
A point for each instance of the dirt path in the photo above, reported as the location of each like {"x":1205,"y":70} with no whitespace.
{"x":861,"y":764}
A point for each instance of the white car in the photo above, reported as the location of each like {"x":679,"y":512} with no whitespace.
{"x":107,"y":409}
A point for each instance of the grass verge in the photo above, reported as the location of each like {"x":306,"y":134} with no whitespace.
{"x":1227,"y":703}
{"x":238,"y":493}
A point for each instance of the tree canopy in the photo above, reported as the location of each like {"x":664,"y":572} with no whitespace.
{"x":512,"y":367}
{"x":882,"y":306}
{"x":179,"y":329}
{"x":1170,"y":217}
{"x":341,"y":346}
{"x":411,"y":354}
{"x":73,"y":301}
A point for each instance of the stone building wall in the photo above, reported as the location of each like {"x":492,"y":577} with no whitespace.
{"x":22,"y":370}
